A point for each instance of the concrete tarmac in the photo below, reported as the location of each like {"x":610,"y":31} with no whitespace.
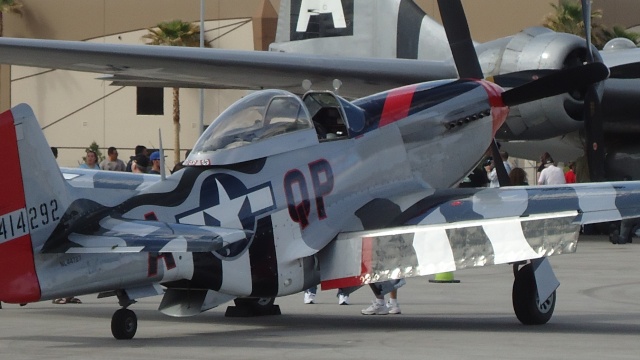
{"x":597,"y":316}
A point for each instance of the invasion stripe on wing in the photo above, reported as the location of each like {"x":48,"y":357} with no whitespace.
{"x":423,"y":250}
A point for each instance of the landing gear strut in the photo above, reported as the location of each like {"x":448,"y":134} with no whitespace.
{"x":529,"y":309}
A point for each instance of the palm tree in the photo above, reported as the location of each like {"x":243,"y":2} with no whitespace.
{"x":175,"y":33}
{"x":8,"y":6}
{"x":567,"y":18}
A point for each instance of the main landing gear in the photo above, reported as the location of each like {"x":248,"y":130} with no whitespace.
{"x":529,"y":309}
{"x":124,"y":322}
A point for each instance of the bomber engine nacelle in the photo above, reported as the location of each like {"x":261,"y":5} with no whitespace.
{"x":537,"y":48}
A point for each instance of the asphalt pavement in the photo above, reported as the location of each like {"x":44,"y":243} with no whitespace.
{"x":597,"y":316}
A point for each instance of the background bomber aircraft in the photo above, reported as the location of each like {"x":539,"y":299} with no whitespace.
{"x":400,"y":29}
{"x":282,"y":192}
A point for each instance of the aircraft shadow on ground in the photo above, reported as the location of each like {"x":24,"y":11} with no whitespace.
{"x":283,"y":330}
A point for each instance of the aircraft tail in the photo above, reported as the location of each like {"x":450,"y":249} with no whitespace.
{"x":33,"y":201}
{"x":362,"y":28}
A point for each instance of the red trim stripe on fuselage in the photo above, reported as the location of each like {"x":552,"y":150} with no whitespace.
{"x":499,"y":111}
{"x":397,"y":104}
{"x":18,"y":279}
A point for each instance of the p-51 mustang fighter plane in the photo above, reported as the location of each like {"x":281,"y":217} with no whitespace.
{"x":282,"y":193}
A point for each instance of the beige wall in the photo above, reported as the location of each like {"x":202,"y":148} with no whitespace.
{"x":491,"y":19}
{"x":87,"y":19}
{"x":65,"y":104}
{"x":619,"y":12}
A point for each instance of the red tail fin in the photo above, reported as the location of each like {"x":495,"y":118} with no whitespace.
{"x":18,"y":280}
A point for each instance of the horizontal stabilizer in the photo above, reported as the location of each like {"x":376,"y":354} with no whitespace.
{"x":126,"y":236}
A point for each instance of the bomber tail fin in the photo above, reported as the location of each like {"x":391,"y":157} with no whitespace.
{"x":365,"y":28}
{"x":33,"y":201}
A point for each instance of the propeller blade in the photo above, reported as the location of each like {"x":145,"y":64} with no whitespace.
{"x":576,"y":78}
{"x":586,"y":19}
{"x":592,"y":110}
{"x":594,"y":134}
{"x":625,"y":71}
{"x":519,"y":78}
{"x":501,"y":171}
{"x":457,"y":29}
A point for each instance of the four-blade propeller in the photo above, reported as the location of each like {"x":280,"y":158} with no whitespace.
{"x":582,"y":78}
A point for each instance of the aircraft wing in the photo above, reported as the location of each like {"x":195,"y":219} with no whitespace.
{"x":463,"y":228}
{"x":126,"y":236}
{"x":146,"y":65}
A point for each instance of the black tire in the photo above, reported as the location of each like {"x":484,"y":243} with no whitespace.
{"x":526,"y":304}
{"x":124,"y":324}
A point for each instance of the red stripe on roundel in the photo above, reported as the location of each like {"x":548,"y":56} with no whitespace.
{"x":397,"y":104}
{"x":18,"y":279}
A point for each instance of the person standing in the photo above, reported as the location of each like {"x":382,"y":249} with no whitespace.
{"x":155,"y":163}
{"x":505,"y":161}
{"x":379,"y":307}
{"x":310,"y":296}
{"x":140,"y":164}
{"x":551,"y":174}
{"x":140,"y":149}
{"x":90,"y":161}
{"x":518,"y":177}
{"x":112,"y":163}
{"x":570,"y":175}
{"x":492,"y":174}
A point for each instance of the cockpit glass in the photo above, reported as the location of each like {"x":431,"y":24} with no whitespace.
{"x":259,"y":116}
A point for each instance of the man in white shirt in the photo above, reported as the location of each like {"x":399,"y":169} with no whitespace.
{"x":492,"y":173}
{"x":551,"y":174}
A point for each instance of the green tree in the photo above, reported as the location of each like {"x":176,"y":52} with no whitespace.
{"x":8,"y":6}
{"x":567,"y":17}
{"x":175,"y":33}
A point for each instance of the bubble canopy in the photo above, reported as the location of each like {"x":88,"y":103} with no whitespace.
{"x":263,"y":123}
